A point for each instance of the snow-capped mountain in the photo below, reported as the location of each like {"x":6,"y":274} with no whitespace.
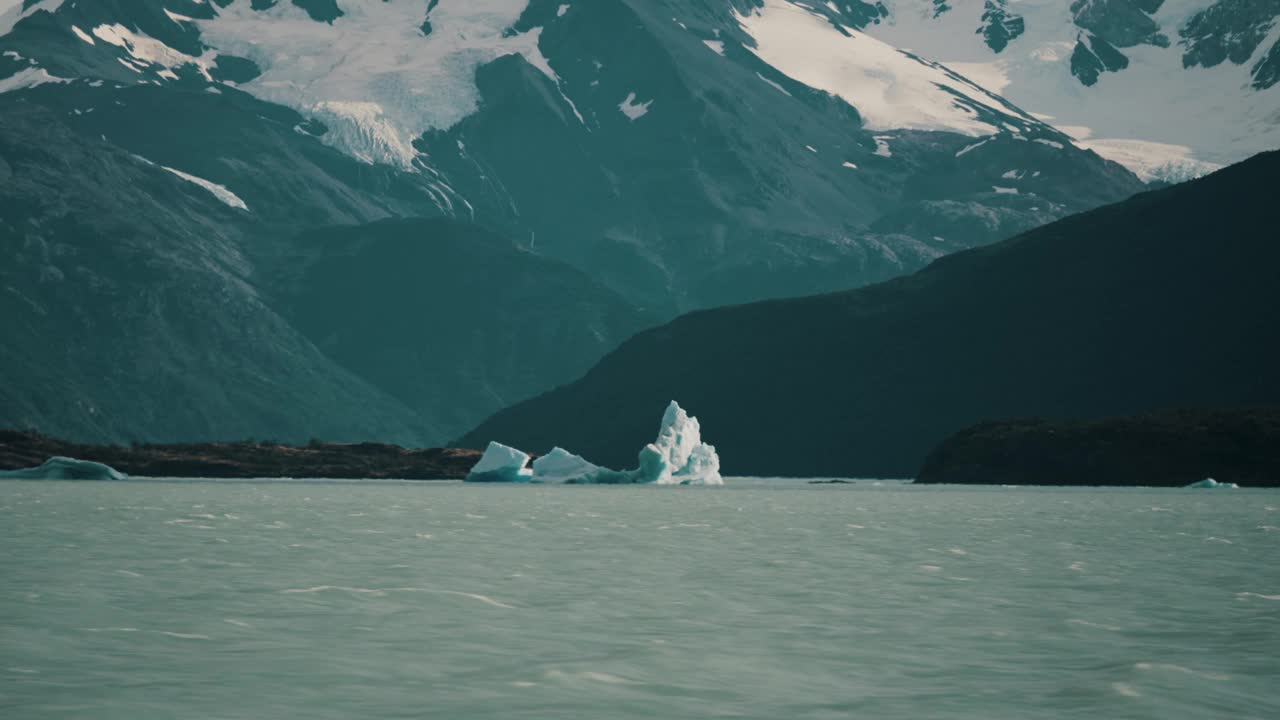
{"x":1166,"y":87}
{"x":1169,"y":88}
{"x":678,"y":153}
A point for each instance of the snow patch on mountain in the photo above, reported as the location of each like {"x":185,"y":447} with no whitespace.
{"x":148,"y":50}
{"x":890,"y":88}
{"x":774,"y":85}
{"x":11,"y":11}
{"x":633,"y":109}
{"x":219,"y":191}
{"x":372,"y":74}
{"x":28,"y":77}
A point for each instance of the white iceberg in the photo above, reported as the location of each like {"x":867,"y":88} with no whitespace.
{"x":1210,"y":483}
{"x":65,"y":468}
{"x":677,"y":457}
{"x":501,"y":464}
{"x":562,"y":466}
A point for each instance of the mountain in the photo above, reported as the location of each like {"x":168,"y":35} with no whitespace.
{"x":1163,"y":300}
{"x":142,"y":302}
{"x":446,"y":317}
{"x":686,"y":153}
{"x":128,"y":312}
{"x":386,"y":220}
{"x":1169,"y":88}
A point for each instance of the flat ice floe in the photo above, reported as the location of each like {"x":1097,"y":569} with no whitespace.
{"x":677,"y":457}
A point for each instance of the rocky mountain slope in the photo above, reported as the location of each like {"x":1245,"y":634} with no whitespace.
{"x":142,"y":302}
{"x":1164,"y":300}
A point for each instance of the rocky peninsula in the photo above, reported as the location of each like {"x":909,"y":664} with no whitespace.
{"x":1166,"y":449}
{"x":20,"y":449}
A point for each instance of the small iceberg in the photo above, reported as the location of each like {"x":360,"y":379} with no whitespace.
{"x":677,"y":457}
{"x":1210,"y":483}
{"x":65,"y":468}
{"x":501,"y":464}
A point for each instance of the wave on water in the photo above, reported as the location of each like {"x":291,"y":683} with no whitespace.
{"x":1169,"y":667}
{"x":379,"y":592}
{"x":170,"y":633}
{"x":590,"y":675}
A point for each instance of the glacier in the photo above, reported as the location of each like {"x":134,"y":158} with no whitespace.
{"x":374,"y":76}
{"x":65,"y":468}
{"x":677,"y":457}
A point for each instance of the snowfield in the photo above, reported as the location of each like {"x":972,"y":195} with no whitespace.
{"x":378,"y":77}
{"x":890,"y":89}
{"x":1154,"y":117}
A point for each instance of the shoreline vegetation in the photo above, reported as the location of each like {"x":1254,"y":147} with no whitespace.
{"x":247,"y":459}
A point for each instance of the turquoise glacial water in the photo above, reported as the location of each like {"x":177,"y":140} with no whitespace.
{"x":763,"y":599}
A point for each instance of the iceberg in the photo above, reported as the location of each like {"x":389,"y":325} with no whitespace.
{"x":677,"y":457}
{"x":562,"y":466}
{"x":501,"y":464}
{"x":65,"y":468}
{"x":1210,"y":483}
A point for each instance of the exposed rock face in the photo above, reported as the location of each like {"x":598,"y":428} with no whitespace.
{"x":247,"y":459}
{"x":1232,"y":30}
{"x":1267,"y":72}
{"x":1093,"y":56}
{"x":1000,"y":26}
{"x":1174,"y":449}
{"x":1122,"y":23}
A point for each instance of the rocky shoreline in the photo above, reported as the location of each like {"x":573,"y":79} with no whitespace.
{"x":364,"y":461}
{"x":1168,"y":449}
